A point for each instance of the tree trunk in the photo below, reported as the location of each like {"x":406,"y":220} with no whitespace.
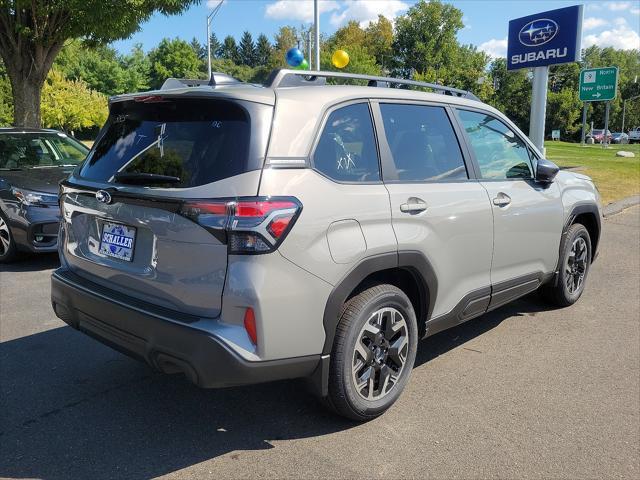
{"x":26,"y":101}
{"x":27,"y":68}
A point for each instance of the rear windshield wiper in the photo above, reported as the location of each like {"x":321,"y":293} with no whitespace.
{"x":144,"y":178}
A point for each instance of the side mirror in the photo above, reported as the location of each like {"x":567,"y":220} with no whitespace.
{"x":546,"y":171}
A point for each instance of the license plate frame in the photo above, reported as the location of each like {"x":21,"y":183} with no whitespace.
{"x":117,"y":241}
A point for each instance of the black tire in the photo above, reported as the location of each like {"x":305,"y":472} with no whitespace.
{"x":8,"y":252}
{"x":386,"y":301}
{"x":560,"y":292}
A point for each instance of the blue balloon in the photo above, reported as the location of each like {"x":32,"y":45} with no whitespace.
{"x":294,"y":57}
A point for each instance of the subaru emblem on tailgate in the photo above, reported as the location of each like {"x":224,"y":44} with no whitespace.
{"x":103,"y":196}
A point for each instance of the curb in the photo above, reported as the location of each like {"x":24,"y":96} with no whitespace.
{"x":620,"y":205}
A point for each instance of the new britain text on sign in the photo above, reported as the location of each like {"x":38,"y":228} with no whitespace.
{"x":598,"y":84}
{"x":545,"y":38}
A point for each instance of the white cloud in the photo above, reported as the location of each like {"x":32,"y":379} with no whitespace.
{"x":618,"y":6}
{"x":621,"y":36}
{"x":362,"y":11}
{"x":495,"y":47}
{"x":299,"y":10}
{"x":614,"y":6}
{"x":213,"y":3}
{"x":593,"y":22}
{"x":365,"y":11}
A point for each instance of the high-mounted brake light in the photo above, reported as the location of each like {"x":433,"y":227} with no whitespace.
{"x":150,"y":99}
{"x":247,"y":225}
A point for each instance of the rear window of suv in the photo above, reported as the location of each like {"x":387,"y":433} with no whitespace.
{"x":198,"y":141}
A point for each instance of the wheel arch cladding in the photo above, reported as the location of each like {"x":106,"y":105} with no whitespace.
{"x":587,"y":215}
{"x":410,"y":271}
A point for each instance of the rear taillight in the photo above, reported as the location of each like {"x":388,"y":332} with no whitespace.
{"x":247,"y":225}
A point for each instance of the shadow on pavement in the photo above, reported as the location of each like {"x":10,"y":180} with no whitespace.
{"x":72,"y":408}
{"x":32,"y":263}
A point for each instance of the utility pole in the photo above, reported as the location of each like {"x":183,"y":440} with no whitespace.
{"x":605,"y":137}
{"x":210,"y":17}
{"x":316,"y":28}
{"x":309,"y":49}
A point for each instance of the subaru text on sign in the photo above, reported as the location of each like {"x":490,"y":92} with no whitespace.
{"x":545,"y":38}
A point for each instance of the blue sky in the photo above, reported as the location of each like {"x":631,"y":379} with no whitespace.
{"x":606,"y":23}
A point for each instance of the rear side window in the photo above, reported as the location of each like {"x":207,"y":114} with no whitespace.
{"x":346,"y":151}
{"x":198,"y":141}
{"x":423,"y":143}
{"x":500,"y":153}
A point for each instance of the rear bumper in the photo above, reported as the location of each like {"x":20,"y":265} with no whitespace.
{"x":166,"y":344}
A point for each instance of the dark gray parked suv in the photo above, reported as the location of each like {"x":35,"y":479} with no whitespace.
{"x":240,"y":233}
{"x":32,"y":164}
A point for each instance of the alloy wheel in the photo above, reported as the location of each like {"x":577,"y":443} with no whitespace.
{"x":380,"y":353}
{"x":576,"y":265}
{"x":5,"y":237}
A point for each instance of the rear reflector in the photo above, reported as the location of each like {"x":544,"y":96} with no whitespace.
{"x":250,"y":325}
{"x":247,"y":225}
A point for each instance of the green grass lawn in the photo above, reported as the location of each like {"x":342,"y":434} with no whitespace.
{"x":616,"y":177}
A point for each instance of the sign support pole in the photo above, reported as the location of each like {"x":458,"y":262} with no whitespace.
{"x":538,"y":106}
{"x":316,"y":28}
{"x":605,"y":140}
{"x":584,"y":122}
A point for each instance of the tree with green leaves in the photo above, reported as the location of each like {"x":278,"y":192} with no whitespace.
{"x":263,"y":50}
{"x":200,"y":50}
{"x":173,"y":58}
{"x":70,"y":104}
{"x":32,"y":33}
{"x":348,"y":36}
{"x":246,"y":50}
{"x":216,"y":46}
{"x":6,"y":105}
{"x":563,"y":112}
{"x":137,"y":69}
{"x":426,"y":38}
{"x":98,"y":66}
{"x":352,"y":39}
{"x":286,"y":38}
{"x":512,"y":92}
{"x":378,"y":38}
{"x":229,"y":49}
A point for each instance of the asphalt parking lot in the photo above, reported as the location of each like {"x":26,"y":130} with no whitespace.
{"x":522,"y":392}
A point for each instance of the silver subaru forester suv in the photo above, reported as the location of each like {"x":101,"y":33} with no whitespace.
{"x":242,"y":233}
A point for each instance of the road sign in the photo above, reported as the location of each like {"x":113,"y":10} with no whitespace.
{"x":598,"y":84}
{"x":546,"y":38}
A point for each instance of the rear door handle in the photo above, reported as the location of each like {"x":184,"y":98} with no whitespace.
{"x":413,"y":205}
{"x":502,"y":200}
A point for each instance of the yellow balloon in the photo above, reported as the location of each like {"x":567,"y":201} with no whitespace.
{"x":340,"y":59}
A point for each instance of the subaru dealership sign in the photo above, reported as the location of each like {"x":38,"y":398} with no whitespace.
{"x":545,"y":38}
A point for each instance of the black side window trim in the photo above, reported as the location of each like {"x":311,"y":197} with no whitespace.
{"x":320,"y":130}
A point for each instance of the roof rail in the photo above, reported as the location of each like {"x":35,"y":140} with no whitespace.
{"x":217,"y":78}
{"x":295,"y":78}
